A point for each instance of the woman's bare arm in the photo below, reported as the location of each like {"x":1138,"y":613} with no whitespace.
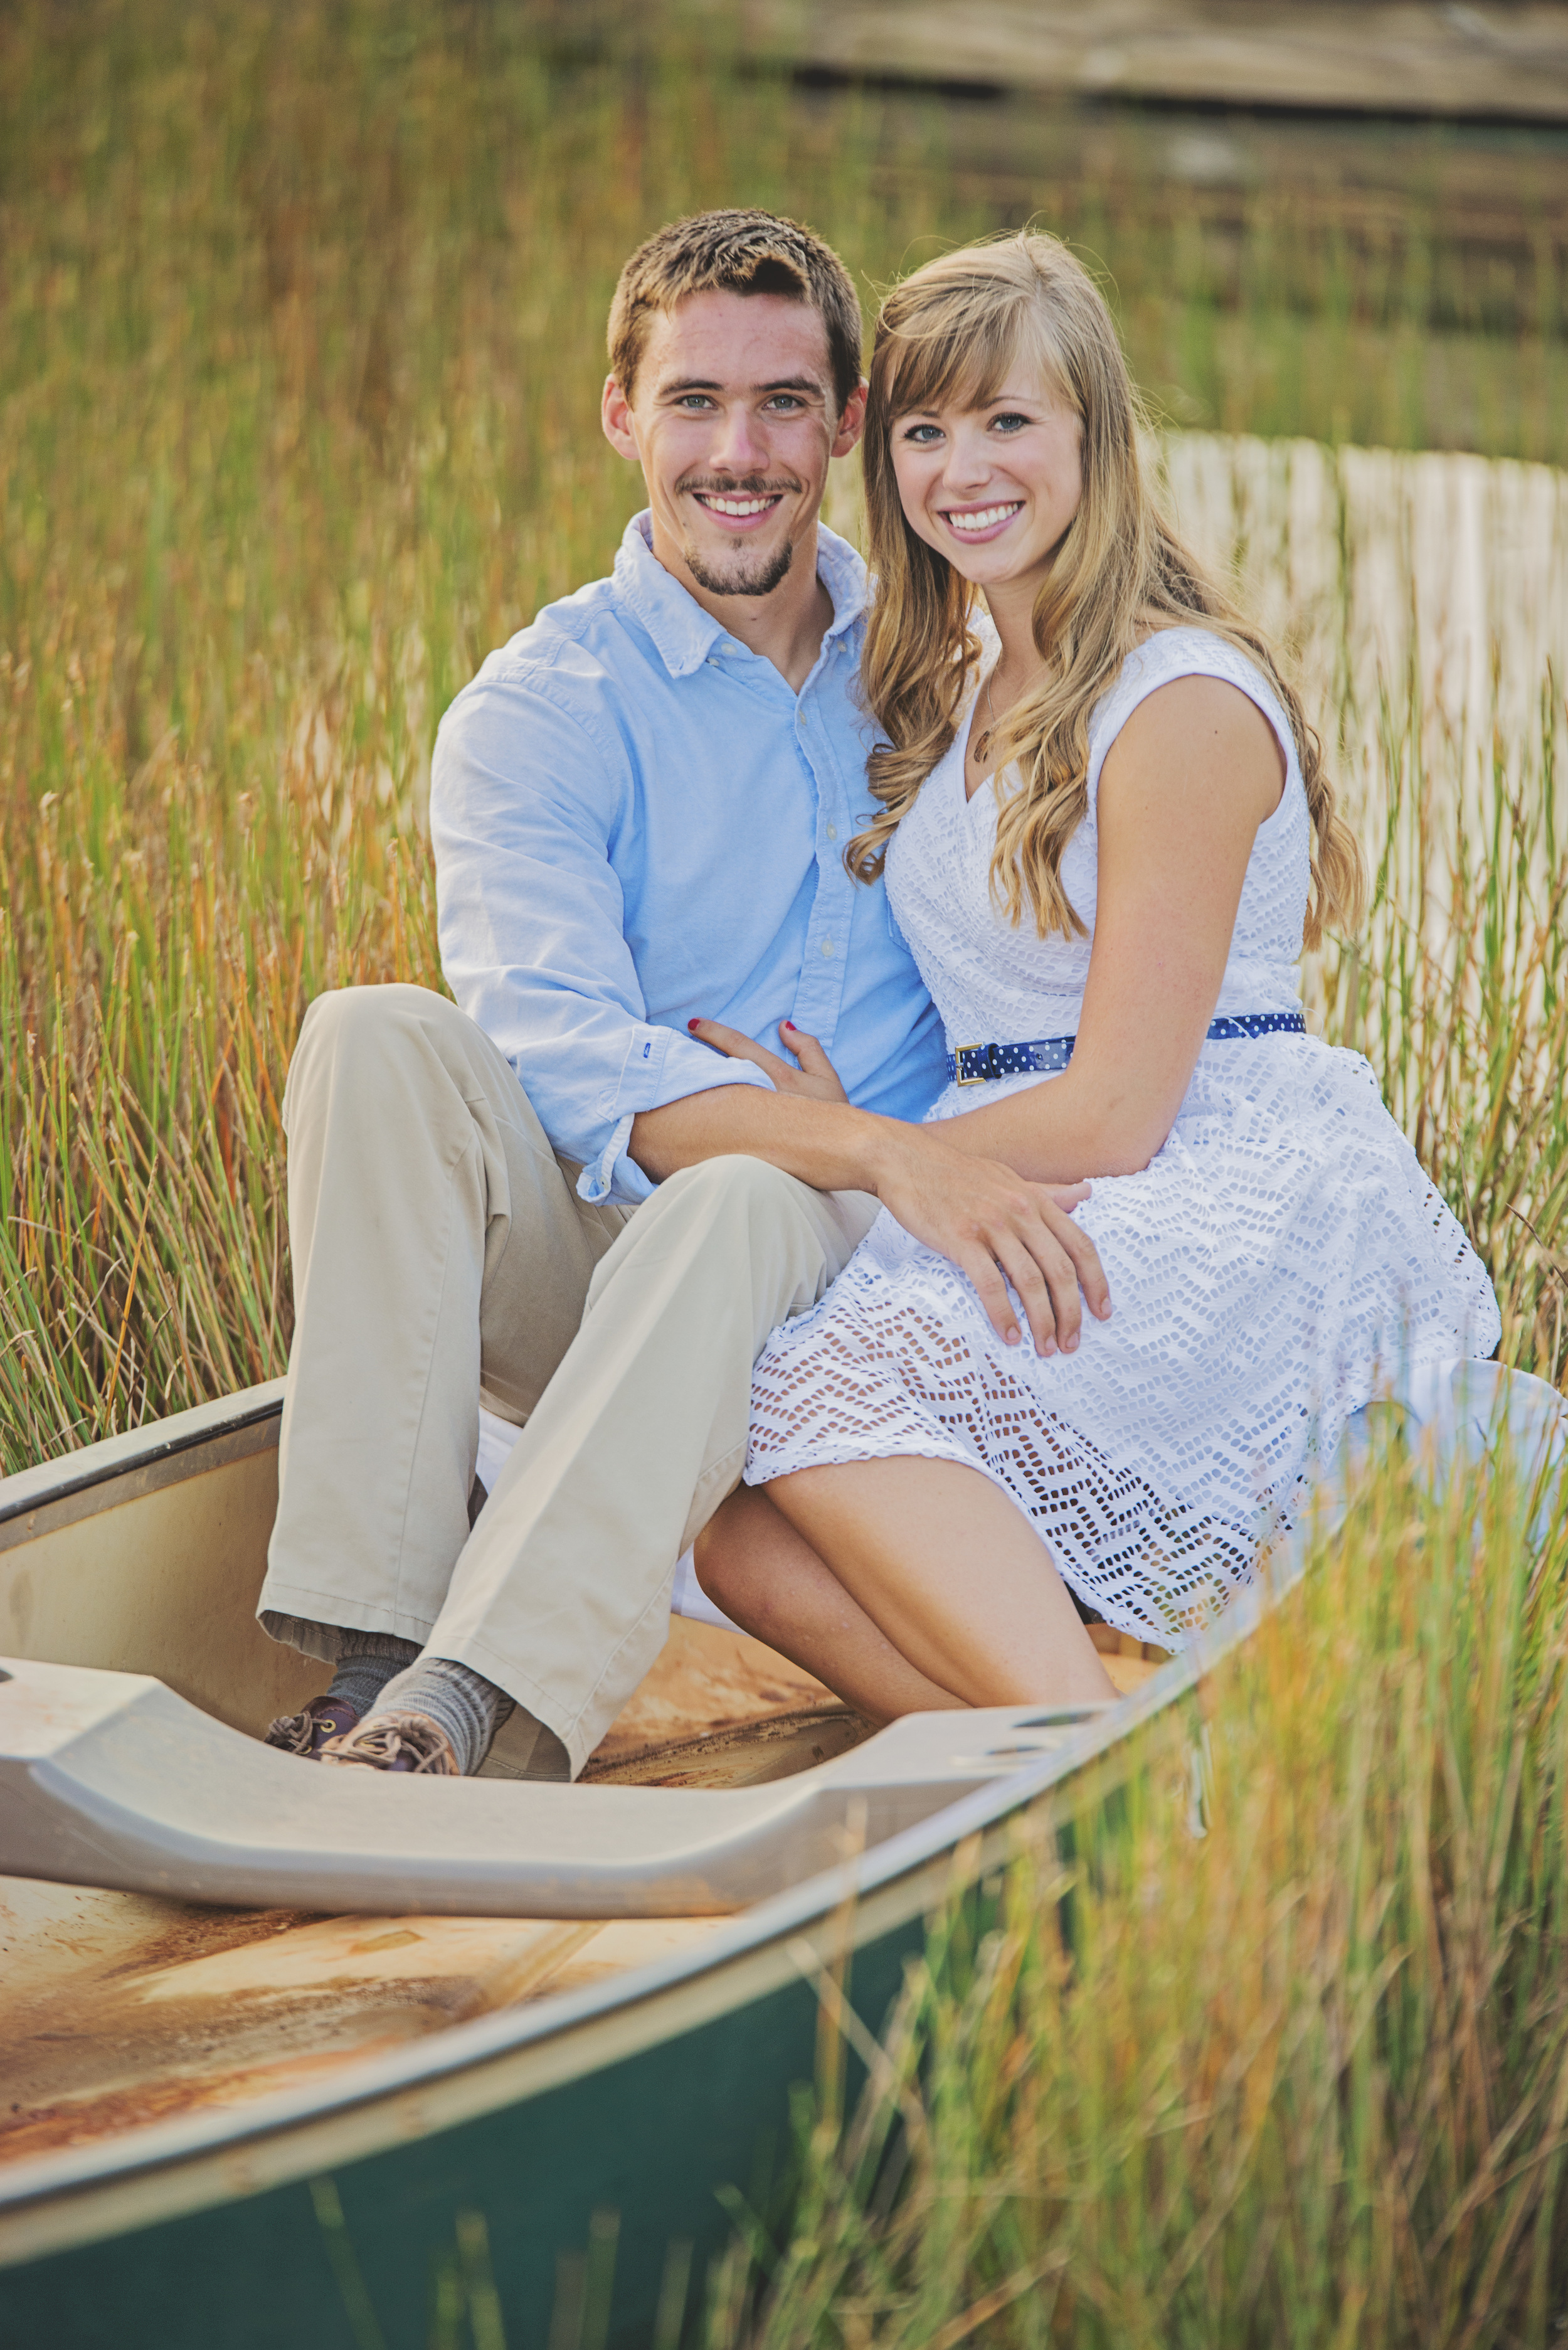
{"x":1192,"y":775}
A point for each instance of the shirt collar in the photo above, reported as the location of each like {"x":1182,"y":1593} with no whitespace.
{"x":683,"y":633}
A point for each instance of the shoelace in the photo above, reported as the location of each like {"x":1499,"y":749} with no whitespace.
{"x":397,"y":1742}
{"x":306,"y":1731}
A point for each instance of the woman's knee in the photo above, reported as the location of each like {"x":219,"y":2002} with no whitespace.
{"x":708,"y":1562}
{"x":719,"y":1554}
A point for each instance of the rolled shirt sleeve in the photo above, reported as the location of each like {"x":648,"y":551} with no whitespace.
{"x":529,"y":798}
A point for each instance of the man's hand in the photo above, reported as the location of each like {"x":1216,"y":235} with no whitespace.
{"x":998,"y":1228}
{"x":815,"y":1078}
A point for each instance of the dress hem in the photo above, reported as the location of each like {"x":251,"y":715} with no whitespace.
{"x":1119,"y":1617}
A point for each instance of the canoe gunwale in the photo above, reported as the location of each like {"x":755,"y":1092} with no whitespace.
{"x":164,"y":2170}
{"x":77,"y":1485}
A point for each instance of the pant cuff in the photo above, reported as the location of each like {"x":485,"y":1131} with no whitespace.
{"x":309,"y":1621}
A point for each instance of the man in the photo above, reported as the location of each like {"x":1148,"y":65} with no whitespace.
{"x":588,"y":1194}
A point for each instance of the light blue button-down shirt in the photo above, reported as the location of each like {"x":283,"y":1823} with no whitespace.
{"x":638,"y":822}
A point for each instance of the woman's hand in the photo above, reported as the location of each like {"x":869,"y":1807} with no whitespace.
{"x":1002,"y":1231}
{"x":815,"y":1078}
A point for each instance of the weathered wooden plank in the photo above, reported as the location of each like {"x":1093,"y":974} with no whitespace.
{"x":1500,"y":62}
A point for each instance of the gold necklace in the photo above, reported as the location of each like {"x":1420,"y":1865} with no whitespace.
{"x":983,"y":741}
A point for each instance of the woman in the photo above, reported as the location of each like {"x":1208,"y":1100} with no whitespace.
{"x":1108,"y":834}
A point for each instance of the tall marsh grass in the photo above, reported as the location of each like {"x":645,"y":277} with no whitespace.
{"x":1287,"y":2068}
{"x":300,"y":340}
{"x":300,"y":337}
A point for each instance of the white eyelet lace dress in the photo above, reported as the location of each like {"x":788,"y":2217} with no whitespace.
{"x":1281,"y":1256}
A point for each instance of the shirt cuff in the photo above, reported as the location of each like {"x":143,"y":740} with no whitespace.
{"x":614,"y":1176}
{"x":618,"y":1178}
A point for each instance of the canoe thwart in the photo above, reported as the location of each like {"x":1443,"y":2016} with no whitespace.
{"x":111,"y":1779}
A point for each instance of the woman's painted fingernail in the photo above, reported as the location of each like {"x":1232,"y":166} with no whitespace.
{"x":793,"y":1029}
{"x":693,"y":1024}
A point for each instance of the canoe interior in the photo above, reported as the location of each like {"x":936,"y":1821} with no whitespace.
{"x":118,"y":2010}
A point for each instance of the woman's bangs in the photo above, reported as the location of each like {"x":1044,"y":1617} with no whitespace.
{"x":963,"y":360}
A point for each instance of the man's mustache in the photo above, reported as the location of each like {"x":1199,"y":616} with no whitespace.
{"x":748,"y":485}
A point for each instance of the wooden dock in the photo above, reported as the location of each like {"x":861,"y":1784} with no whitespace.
{"x":1499,"y":63}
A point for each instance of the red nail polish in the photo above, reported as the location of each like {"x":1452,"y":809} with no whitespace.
{"x":691,"y":1023}
{"x":791,"y":1026}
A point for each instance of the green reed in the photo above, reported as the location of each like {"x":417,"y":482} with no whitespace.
{"x":1457,"y":991}
{"x":300,"y":340}
{"x":1284,"y":2063}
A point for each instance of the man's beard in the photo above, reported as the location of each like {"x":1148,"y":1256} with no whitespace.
{"x":748,"y":575}
{"x":760,"y":580}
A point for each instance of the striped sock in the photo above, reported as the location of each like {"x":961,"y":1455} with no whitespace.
{"x":467,"y":1707}
{"x":366,"y":1661}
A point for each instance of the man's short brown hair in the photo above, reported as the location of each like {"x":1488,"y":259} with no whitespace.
{"x":735,"y":253}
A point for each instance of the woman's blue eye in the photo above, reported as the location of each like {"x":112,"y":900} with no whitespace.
{"x":1010,"y":422}
{"x":918,"y":432}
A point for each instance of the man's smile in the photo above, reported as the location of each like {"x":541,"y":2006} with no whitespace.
{"x":739,"y":508}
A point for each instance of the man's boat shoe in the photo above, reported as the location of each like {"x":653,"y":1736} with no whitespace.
{"x":308,"y":1731}
{"x":396,"y":1741}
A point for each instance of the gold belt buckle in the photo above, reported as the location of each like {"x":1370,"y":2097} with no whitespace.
{"x":979,"y":1077}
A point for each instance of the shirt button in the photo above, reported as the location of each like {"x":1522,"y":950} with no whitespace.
{"x":833,"y":832}
{"x":827,"y":946}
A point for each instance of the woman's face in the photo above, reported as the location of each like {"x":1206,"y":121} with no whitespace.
{"x":993,"y":488}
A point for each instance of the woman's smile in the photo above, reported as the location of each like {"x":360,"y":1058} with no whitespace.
{"x":981,"y":522}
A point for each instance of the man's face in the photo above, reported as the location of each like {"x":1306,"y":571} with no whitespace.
{"x":734,"y":422}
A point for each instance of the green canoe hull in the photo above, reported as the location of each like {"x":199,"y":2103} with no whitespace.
{"x":651,"y":2139}
{"x":641,"y":2096}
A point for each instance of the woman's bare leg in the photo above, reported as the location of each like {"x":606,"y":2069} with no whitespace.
{"x":951,"y":1573}
{"x":753,"y":1563}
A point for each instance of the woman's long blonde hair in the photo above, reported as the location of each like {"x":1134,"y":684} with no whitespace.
{"x":949,"y":336}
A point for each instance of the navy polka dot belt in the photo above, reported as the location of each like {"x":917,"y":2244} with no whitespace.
{"x":978,"y":1065}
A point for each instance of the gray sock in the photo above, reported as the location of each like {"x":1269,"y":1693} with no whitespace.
{"x":366,"y":1661}
{"x":470,"y":1708}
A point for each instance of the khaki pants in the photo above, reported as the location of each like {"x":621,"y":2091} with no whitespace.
{"x":440,"y":1252}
